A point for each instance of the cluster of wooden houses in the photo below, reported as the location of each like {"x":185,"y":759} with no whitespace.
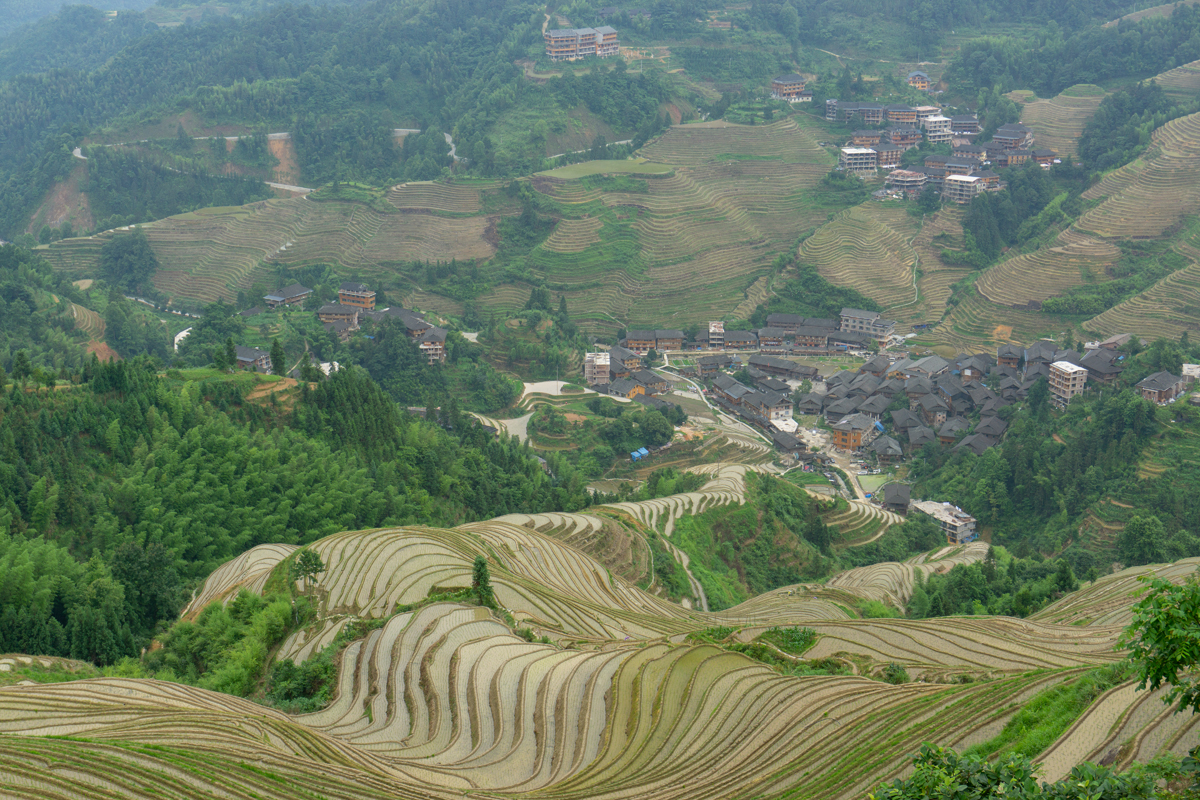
{"x":356,"y":302}
{"x":891,"y":407}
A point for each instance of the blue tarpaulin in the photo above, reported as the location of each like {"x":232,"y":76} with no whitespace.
{"x":879,"y":426}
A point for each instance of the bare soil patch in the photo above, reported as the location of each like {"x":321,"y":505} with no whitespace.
{"x":65,"y":202}
{"x":1002,"y":332}
{"x":262,"y":390}
{"x":103,"y":351}
{"x":288,"y":170}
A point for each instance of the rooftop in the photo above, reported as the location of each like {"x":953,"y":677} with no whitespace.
{"x":1067,"y":367}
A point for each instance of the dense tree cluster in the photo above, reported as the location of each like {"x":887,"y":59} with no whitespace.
{"x":1051,"y":62}
{"x":116,"y":493}
{"x":1120,"y":129}
{"x":124,"y":188}
{"x":30,"y":320}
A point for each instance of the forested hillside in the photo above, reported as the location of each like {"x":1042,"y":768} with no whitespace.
{"x":125,"y":465}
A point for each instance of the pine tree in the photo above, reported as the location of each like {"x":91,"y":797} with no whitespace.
{"x":278,"y":358}
{"x":481,"y":582}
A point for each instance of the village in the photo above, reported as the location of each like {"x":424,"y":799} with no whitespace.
{"x":864,"y":421}
{"x":888,"y":131}
{"x":355,"y":302}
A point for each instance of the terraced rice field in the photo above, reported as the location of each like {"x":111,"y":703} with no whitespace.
{"x":976,"y":322}
{"x":1074,"y":259}
{"x":856,"y":249}
{"x":1107,"y":601}
{"x":942,"y":231}
{"x":446,"y":701}
{"x":1057,"y":123}
{"x":1181,"y":82}
{"x":943,"y":648}
{"x":1122,"y":726}
{"x":891,"y":583}
{"x":696,"y":242}
{"x":1153,"y":193}
{"x":1169,"y":307}
{"x":722,"y":202}
{"x":860,"y":521}
{"x":527,"y":718}
{"x":216,"y":252}
{"x":88,"y":322}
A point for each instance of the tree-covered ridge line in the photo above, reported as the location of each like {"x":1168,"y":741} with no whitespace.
{"x":1051,"y":62}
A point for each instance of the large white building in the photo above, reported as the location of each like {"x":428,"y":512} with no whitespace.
{"x":958,"y":525}
{"x":961,"y":188}
{"x":937,"y":129}
{"x":858,"y":159}
{"x":595,"y":369}
{"x":1066,"y":381}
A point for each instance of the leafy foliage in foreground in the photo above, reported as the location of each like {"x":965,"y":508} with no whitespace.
{"x":940,"y":773}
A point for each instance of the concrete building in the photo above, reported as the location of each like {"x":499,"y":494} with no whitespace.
{"x":958,"y":525}
{"x":907,"y":181}
{"x":595,"y":369}
{"x":961,"y":188}
{"x":572,"y":44}
{"x":1066,"y":381}
{"x":867,"y":322}
{"x":857,"y":159}
{"x":937,"y":129}
{"x":716,"y":335}
{"x":919,"y":80}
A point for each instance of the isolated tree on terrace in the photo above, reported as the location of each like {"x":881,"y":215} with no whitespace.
{"x":307,"y":566}
{"x":278,"y":358}
{"x":481,"y":582}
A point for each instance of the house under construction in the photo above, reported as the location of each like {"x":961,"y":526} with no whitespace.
{"x":577,"y":43}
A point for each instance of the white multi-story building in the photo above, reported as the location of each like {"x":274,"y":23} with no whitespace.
{"x":716,"y":335}
{"x":595,"y":369}
{"x":1066,"y":381}
{"x":958,"y":525}
{"x":858,"y":159}
{"x":937,"y":129}
{"x":961,"y":188}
